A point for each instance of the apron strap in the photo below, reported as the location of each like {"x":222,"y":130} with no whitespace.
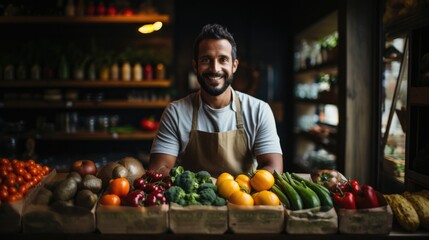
{"x":196,"y":105}
{"x":238,"y":114}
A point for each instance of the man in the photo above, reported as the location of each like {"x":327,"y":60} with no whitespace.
{"x":217,"y":129}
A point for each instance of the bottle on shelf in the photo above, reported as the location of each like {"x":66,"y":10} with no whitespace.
{"x":70,"y":9}
{"x":126,"y":71}
{"x":148,"y":72}
{"x":63,"y":70}
{"x":137,"y":72}
{"x":104,"y":73}
{"x":35,"y":72}
{"x":9,"y":72}
{"x":160,"y":71}
{"x":114,"y":72}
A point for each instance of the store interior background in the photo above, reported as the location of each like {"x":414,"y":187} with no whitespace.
{"x":265,"y":32}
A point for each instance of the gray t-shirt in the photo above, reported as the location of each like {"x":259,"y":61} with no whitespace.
{"x":258,"y":120}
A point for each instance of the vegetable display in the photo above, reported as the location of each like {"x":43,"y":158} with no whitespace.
{"x":248,"y":190}
{"x":352,"y":195}
{"x":147,"y":190}
{"x":193,"y":188}
{"x":18,"y":177}
{"x":297,"y":193}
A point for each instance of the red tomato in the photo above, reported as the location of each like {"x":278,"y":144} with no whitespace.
{"x":120,"y":187}
{"x":110,"y":199}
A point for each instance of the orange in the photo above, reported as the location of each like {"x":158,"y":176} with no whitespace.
{"x":262,"y":180}
{"x":244,"y":182}
{"x":241,"y":198}
{"x":266,"y":198}
{"x":223,"y":176}
{"x":227,"y":187}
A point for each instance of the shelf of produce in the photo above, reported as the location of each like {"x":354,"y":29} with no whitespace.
{"x":146,"y":18}
{"x":15,"y":104}
{"x":85,"y":135}
{"x":155,"y":83}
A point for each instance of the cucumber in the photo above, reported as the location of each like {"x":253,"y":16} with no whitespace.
{"x":294,"y":198}
{"x":308,"y":196}
{"x":277,"y":190}
{"x":321,"y":191}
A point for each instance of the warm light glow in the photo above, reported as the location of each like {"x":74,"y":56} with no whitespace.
{"x":147,"y":28}
{"x":157,"y":26}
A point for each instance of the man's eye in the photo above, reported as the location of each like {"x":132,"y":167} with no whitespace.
{"x":204,"y":60}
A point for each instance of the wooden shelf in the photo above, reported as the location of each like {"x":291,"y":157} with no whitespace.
{"x":96,"y":136}
{"x":159,"y":83}
{"x":147,"y":18}
{"x":83,"y":104}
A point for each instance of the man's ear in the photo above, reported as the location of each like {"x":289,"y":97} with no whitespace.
{"x":235,"y":65}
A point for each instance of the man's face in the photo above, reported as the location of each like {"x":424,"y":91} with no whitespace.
{"x":215,"y":66}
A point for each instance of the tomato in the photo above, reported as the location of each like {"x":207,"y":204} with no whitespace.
{"x":244,"y":182}
{"x":222,"y":177}
{"x":110,"y":200}
{"x":4,"y":193}
{"x":262,"y":180}
{"x":149,"y":124}
{"x":266,"y":197}
{"x":241,"y":198}
{"x":14,"y":197}
{"x":119,"y":186}
{"x":228,"y":187}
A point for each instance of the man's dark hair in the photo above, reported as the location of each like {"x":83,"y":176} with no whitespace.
{"x":214,"y":31}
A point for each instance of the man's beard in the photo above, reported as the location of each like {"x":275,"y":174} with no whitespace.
{"x":211,"y":90}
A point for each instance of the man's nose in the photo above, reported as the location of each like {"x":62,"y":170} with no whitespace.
{"x":215,"y":66}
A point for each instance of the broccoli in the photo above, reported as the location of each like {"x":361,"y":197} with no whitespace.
{"x":187,"y":181}
{"x":207,"y":195}
{"x":175,"y":194}
{"x":207,"y":185}
{"x":203,"y":177}
{"x":176,"y":171}
{"x":192,"y":199}
{"x":219,"y":201}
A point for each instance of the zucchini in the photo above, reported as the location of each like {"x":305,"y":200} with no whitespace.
{"x":277,"y":190}
{"x":321,"y":191}
{"x":294,"y":198}
{"x":308,"y":196}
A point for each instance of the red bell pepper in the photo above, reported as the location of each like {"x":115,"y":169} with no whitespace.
{"x":350,"y":186}
{"x":366,"y":198}
{"x":344,"y":199}
{"x":354,"y":186}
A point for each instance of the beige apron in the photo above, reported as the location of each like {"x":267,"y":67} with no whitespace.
{"x":217,"y":152}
